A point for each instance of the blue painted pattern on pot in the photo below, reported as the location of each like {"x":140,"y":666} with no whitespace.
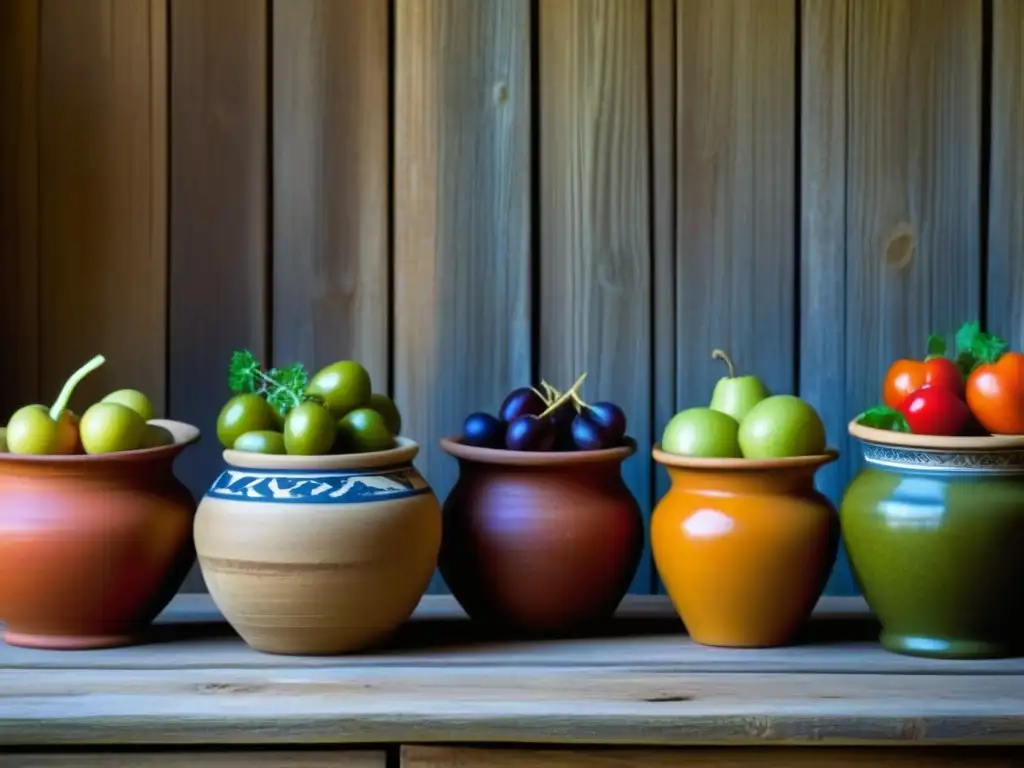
{"x":318,"y":486}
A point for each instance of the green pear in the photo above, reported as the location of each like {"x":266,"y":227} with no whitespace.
{"x":736,"y":395}
{"x":702,"y":432}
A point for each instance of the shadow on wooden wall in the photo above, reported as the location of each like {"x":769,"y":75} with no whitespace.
{"x":467,"y":195}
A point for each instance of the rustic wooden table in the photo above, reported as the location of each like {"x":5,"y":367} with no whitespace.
{"x":446,"y":694}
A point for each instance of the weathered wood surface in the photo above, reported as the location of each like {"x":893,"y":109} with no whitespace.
{"x":778,"y":757}
{"x":219,"y":218}
{"x":330,"y":143}
{"x":1006,"y":202}
{"x":595,"y":240}
{"x":462,"y":293}
{"x":103,"y":196}
{"x":19,"y":201}
{"x":441,"y":679}
{"x":823,"y":240}
{"x":241,"y":758}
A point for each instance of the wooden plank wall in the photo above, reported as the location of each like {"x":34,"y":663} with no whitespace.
{"x":470,"y":195}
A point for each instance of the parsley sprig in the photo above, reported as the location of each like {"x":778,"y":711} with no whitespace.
{"x":283,"y":388}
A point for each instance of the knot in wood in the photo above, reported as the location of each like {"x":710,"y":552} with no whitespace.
{"x":500,"y":94}
{"x":900,"y":247}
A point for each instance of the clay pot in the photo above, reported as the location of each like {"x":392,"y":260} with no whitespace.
{"x":92,"y":548}
{"x":540,"y":542}
{"x":934,"y":527}
{"x":744,"y":546}
{"x":318,"y":554}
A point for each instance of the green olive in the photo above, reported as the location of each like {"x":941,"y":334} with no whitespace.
{"x":309,"y":430}
{"x":344,"y":386}
{"x":261,"y":441}
{"x":134,"y":399}
{"x":110,"y":428}
{"x":243,"y":413}
{"x":155,"y":436}
{"x":364,"y":430}
{"x":386,"y":407}
{"x":32,"y":431}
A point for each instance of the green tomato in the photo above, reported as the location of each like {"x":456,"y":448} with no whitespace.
{"x":244,"y":413}
{"x":155,"y":436}
{"x":364,"y":430}
{"x":261,"y":441}
{"x":133,"y":399}
{"x":386,"y":407}
{"x":309,"y":430}
{"x":31,"y":431}
{"x":344,"y":386}
{"x":111,"y":428}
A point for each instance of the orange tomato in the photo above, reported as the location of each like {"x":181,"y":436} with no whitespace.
{"x":995,"y":394}
{"x":905,"y":377}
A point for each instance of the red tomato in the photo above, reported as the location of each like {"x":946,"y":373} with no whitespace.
{"x":935,"y":411}
{"x":905,"y":377}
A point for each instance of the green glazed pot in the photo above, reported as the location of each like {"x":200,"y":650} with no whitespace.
{"x":934,"y":528}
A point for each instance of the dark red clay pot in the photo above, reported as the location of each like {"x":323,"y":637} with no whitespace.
{"x":540,"y":542}
{"x":92,"y":548}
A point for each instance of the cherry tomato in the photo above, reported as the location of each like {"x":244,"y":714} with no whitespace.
{"x":935,"y":411}
{"x":995,"y":394}
{"x":905,"y":377}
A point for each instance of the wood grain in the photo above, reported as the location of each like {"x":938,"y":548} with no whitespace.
{"x":462,"y":306}
{"x":19,"y":213}
{"x":645,"y":636}
{"x":913,"y":183}
{"x":1005,"y":308}
{"x":595,"y":215}
{"x":103,"y":195}
{"x":331,"y":273}
{"x":823,"y":242}
{"x":500,"y":704}
{"x":705,"y":757}
{"x":219,"y":258}
{"x":663,"y":232}
{"x":241,"y":758}
{"x":736,"y":239}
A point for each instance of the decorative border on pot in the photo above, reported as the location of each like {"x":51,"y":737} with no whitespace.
{"x":318,"y":487}
{"x":1003,"y":462}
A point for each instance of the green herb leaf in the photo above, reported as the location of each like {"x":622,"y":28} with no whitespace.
{"x":286,"y":387}
{"x":976,"y":347}
{"x":884,"y":417}
{"x":936,"y":346}
{"x":243,"y":372}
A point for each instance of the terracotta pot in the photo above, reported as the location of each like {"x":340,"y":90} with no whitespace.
{"x":744,"y":546}
{"x":540,"y":542}
{"x":318,"y":554}
{"x":934,"y":527}
{"x":92,"y":548}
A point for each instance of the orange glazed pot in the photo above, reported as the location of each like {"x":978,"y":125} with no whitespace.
{"x":744,"y":546}
{"x":540,"y":542}
{"x":92,"y":548}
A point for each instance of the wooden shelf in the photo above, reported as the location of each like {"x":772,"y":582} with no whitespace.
{"x":641,"y":682}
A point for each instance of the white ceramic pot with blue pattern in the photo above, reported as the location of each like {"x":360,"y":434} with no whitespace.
{"x":318,"y":554}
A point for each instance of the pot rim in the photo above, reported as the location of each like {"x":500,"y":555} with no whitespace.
{"x":454,"y":446}
{"x":184,"y":435}
{"x":742,"y":465}
{"x":935,"y":442}
{"x":403,"y":453}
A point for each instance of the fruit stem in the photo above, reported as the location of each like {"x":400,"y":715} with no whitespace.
{"x":562,"y":399}
{"x":540,"y":394}
{"x":61,"y":403}
{"x":717,"y":354}
{"x":578,"y":401}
